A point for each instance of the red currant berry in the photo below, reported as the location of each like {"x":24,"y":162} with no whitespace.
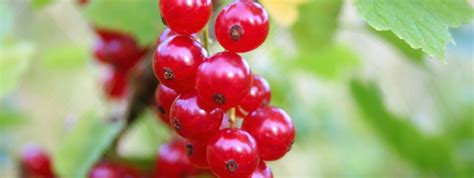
{"x":115,"y":84}
{"x":223,"y":80}
{"x":36,"y":163}
{"x":172,"y":161}
{"x":262,"y":171}
{"x":259,"y":95}
{"x":124,"y":52}
{"x":197,"y":153}
{"x":190,"y":121}
{"x":113,"y":170}
{"x":167,"y":34}
{"x":232,"y":153}
{"x":164,"y":98}
{"x":103,"y":170}
{"x":242,"y":26}
{"x":273,"y":130}
{"x":186,"y":16}
{"x":176,"y":62}
{"x":100,"y":51}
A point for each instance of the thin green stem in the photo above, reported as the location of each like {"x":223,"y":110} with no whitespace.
{"x":205,"y":38}
{"x":232,"y":118}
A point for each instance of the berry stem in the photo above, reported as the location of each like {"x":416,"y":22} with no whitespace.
{"x":232,"y":117}
{"x":205,"y":38}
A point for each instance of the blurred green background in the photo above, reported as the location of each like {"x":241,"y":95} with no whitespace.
{"x":364,"y":102}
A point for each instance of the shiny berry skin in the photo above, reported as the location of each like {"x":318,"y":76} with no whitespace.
{"x":223,"y":80}
{"x":242,"y":26}
{"x":258,"y":96}
{"x":197,"y":153}
{"x":232,"y":153}
{"x":172,"y":161}
{"x":262,"y":171}
{"x":186,"y":16}
{"x":176,"y":62}
{"x":115,"y":84}
{"x":36,"y":163}
{"x":164,"y":98}
{"x":273,"y":130}
{"x":166,"y":34}
{"x":191,"y":121}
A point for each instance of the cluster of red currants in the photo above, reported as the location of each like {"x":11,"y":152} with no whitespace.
{"x":196,"y":90}
{"x":120,"y":52}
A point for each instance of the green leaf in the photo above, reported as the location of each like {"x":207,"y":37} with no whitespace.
{"x":329,"y":62}
{"x":317,"y":23}
{"x":84,"y":145}
{"x":14,"y":61}
{"x":10,"y":117}
{"x":415,"y":55}
{"x":432,"y":154}
{"x":138,"y":17}
{"x":66,"y":57}
{"x":37,"y":4}
{"x":421,"y":23}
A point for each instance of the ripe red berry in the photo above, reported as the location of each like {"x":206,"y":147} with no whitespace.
{"x":190,"y":121}
{"x":259,"y":95}
{"x":166,"y":34}
{"x":242,"y":26}
{"x":113,"y":170}
{"x":223,"y":80}
{"x":172,"y":161}
{"x":115,"y":83}
{"x":117,"y":49}
{"x":273,"y":130}
{"x":176,"y":62}
{"x":232,"y":153}
{"x":164,"y":98}
{"x":103,"y":170}
{"x":197,"y":153}
{"x":36,"y":163}
{"x":262,"y":171}
{"x":186,"y":16}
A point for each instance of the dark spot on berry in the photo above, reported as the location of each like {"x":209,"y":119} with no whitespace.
{"x":236,"y":32}
{"x":231,"y":165}
{"x":189,"y":149}
{"x":176,"y":124}
{"x":161,"y":109}
{"x":168,"y":73}
{"x":218,"y":99}
{"x":163,"y":20}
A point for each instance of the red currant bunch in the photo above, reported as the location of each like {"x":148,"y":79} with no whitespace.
{"x":201,"y":96}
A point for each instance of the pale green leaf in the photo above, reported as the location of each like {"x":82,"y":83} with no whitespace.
{"x":37,"y":4}
{"x":141,"y":18}
{"x":14,"y":61}
{"x":415,"y":55}
{"x":431,"y":154}
{"x":84,"y":145}
{"x":421,"y":23}
{"x":65,"y":57}
{"x":328,"y":62}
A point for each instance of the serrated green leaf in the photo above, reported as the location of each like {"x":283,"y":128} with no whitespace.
{"x":141,"y":18}
{"x":415,"y":55}
{"x":421,"y":23}
{"x":317,"y":23}
{"x":14,"y":61}
{"x":66,"y":57}
{"x":432,"y":154}
{"x":329,"y":62}
{"x":84,"y":145}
